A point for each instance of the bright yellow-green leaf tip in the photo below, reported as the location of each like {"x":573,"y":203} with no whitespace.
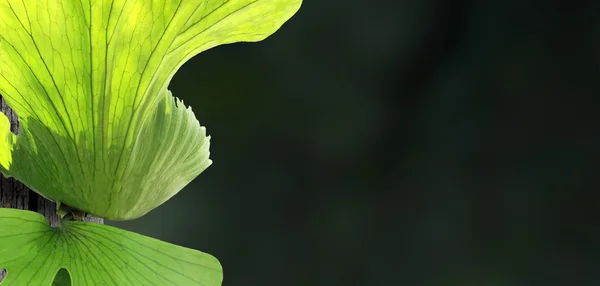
{"x":6,"y":142}
{"x":88,"y":79}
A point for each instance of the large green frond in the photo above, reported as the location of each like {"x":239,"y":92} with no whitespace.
{"x":88,"y":80}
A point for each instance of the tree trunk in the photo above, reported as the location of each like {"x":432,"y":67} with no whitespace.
{"x":13,"y":194}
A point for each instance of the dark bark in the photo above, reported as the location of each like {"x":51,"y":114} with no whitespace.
{"x":13,"y":194}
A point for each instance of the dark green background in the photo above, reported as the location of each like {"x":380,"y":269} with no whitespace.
{"x":399,"y":143}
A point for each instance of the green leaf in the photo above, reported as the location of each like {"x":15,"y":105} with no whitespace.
{"x":88,"y":79}
{"x":94,"y":254}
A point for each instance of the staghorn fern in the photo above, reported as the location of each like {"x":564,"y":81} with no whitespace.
{"x":101,"y":133}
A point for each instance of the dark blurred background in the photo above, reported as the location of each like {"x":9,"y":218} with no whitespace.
{"x":416,"y":142}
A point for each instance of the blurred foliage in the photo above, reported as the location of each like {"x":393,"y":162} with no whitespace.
{"x":399,"y":143}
